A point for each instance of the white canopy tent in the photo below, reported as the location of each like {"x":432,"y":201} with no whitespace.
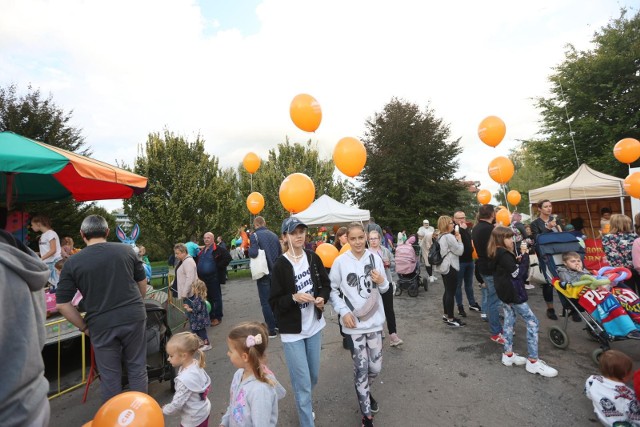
{"x":584,"y":184}
{"x":328,"y":211}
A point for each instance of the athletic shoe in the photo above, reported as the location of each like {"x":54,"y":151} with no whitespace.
{"x":205,"y":347}
{"x":551,"y":314}
{"x":273,"y":334}
{"x":313,"y":415}
{"x":634,"y":335}
{"x":529,"y":286}
{"x":475,"y":307}
{"x":456,"y":323}
{"x":445,"y":318}
{"x":432,"y":279}
{"x":514,"y":359}
{"x":374,"y":404}
{"x":461,"y":311}
{"x":367,"y":422}
{"x":483,"y":316}
{"x":395,"y":340}
{"x":498,"y":339}
{"x":539,"y":367}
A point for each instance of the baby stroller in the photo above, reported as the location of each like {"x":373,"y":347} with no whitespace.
{"x":157,"y":335}
{"x":550,"y":247}
{"x":408,"y":270}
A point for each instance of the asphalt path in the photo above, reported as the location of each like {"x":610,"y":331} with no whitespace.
{"x":440,"y":376}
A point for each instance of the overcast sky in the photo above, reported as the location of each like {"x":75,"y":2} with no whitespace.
{"x":228,"y":69}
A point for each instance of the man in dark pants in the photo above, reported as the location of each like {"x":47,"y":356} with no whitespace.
{"x":208,"y":273}
{"x":465,"y":274}
{"x":268,"y":241}
{"x":112,"y":281}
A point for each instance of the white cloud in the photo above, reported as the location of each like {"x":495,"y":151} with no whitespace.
{"x":130,"y":68}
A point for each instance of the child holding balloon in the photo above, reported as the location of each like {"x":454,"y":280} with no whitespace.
{"x":198,"y":312}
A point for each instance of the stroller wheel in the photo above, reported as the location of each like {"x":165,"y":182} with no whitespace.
{"x":425,"y":285}
{"x":595,"y":355}
{"x":558,"y":337}
{"x":413,"y":290}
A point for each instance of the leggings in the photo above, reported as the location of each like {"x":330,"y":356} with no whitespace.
{"x":450,"y":285}
{"x":429,"y":269}
{"x":367,"y":364}
{"x":387,"y":303}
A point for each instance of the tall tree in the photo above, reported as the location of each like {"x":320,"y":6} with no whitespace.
{"x":39,"y":118}
{"x":285,"y":159}
{"x":594,"y":102}
{"x":188,"y":193}
{"x":410,"y":167}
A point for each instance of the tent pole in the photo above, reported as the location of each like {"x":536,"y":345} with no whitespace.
{"x":622,"y":204}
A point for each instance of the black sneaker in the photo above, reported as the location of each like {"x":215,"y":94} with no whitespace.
{"x":551,"y":314}
{"x":475,"y":307}
{"x":455,"y":323}
{"x":367,"y":422}
{"x":461,"y":311}
{"x":374,"y":404}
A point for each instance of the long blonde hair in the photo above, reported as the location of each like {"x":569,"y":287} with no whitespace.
{"x":443,"y":224}
{"x":190,"y":343}
{"x":256,"y":353}
{"x":199,"y":289}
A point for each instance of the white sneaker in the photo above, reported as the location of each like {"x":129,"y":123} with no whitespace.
{"x":395,"y":340}
{"x":514,"y":359}
{"x":540,"y":367}
{"x":432,"y":279}
{"x":529,"y":286}
{"x":205,"y":347}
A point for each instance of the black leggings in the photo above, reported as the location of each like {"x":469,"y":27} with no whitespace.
{"x":450,"y":285}
{"x":387,"y":303}
{"x":547,"y":295}
{"x":429,"y":269}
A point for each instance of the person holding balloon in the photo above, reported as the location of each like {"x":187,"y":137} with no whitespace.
{"x":300,"y":288}
{"x":198,"y":312}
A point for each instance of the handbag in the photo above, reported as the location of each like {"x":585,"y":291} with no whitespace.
{"x":535,"y":275}
{"x":258,"y":265}
{"x":370,"y":307}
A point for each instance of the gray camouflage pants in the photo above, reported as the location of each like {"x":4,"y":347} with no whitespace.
{"x":367,"y":363}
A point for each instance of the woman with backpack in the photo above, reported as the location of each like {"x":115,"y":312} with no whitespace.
{"x":449,"y":243}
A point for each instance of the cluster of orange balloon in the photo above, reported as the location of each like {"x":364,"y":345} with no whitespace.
{"x":305,"y":112}
{"x":255,"y":200}
{"x":132,"y":408}
{"x":350,"y":156}
{"x":297,"y":192}
{"x":627,"y":151}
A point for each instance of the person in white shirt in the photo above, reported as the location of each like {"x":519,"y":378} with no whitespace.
{"x":425,"y":240}
{"x":49,"y":243}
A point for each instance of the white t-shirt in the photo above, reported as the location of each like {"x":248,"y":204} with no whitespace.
{"x":45,"y":245}
{"x":612,"y":401}
{"x":311,"y":325}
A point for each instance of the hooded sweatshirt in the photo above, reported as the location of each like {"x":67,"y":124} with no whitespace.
{"x":252,"y":402}
{"x":23,"y":389}
{"x":192,"y":386}
{"x":350,"y":279}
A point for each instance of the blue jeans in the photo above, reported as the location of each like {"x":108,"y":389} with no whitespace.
{"x":264,"y":289}
{"x":510,"y":311}
{"x":465,"y":274}
{"x":303,"y":362}
{"x":485,"y":298}
{"x":493,"y":306}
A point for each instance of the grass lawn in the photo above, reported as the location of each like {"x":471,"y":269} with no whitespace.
{"x":239,"y":274}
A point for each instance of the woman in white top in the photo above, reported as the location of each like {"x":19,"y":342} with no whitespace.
{"x":451,"y":247}
{"x":49,"y":243}
{"x":186,"y":271}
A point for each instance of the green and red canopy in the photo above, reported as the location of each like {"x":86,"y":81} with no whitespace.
{"x":33,"y":171}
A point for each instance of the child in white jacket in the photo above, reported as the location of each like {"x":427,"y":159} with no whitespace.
{"x":357,"y":279}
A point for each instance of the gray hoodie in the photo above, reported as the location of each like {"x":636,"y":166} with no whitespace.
{"x":23,"y":388}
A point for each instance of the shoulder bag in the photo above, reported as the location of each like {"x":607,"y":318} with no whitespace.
{"x":259,"y":266}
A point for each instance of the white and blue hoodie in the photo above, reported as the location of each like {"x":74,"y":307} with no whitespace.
{"x":350,"y":279}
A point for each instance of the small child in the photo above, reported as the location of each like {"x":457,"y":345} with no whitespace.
{"x":192,"y":383}
{"x":509,"y":274}
{"x":571,"y":272}
{"x":254,"y":392}
{"x":613,"y":402}
{"x":197,"y":313}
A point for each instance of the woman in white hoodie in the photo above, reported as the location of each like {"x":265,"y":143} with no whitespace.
{"x":357,"y":280}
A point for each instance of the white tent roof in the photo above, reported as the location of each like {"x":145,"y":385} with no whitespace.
{"x":327,"y":211}
{"x":584,"y":183}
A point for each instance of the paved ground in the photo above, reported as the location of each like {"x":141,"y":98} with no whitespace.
{"x":439,"y":377}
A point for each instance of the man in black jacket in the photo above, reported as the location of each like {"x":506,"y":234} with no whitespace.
{"x":465,"y":274}
{"x":480,"y":235}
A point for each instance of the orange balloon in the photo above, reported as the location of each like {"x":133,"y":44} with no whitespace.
{"x":632,"y":185}
{"x":345,"y":248}
{"x":350,"y":156}
{"x":89,"y":424}
{"x":305,"y":112}
{"x":251,"y":162}
{"x":484,"y":196}
{"x":503,"y":217}
{"x":255,"y":202}
{"x":514,"y":197}
{"x":132,"y":409}
{"x":297,"y":192}
{"x":627,"y":150}
{"x":327,"y":254}
{"x":501,"y":207}
{"x":492,"y":130}
{"x":501,"y":169}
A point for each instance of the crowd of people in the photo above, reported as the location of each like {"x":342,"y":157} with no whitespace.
{"x":293,"y":293}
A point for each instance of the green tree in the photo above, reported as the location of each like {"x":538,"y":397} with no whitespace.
{"x":39,"y":118}
{"x":285,"y":159}
{"x":188,"y":193}
{"x":410,"y":167}
{"x":594,"y":101}
{"x":529,"y":174}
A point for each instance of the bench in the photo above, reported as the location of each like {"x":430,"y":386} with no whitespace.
{"x":239,"y":264}
{"x":161,"y":272}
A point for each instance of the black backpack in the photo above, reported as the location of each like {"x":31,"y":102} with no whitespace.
{"x":434,"y":257}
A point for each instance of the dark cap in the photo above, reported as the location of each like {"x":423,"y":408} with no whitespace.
{"x":290,"y":224}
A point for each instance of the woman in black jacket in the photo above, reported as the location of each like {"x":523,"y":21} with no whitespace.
{"x":300,"y":287}
{"x":509,"y":274}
